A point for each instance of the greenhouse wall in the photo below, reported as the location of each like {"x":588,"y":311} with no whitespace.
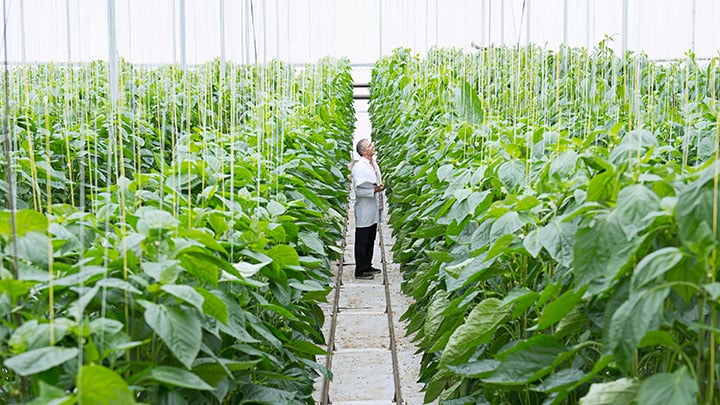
{"x":301,"y":31}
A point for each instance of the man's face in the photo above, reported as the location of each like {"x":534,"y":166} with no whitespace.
{"x":370,"y":150}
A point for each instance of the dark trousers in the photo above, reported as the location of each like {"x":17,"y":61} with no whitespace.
{"x":364,"y":246}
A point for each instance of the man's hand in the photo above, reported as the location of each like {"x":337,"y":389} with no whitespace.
{"x":379,"y":188}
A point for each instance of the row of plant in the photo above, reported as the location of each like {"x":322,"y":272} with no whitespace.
{"x":557,"y":223}
{"x":172,"y":245}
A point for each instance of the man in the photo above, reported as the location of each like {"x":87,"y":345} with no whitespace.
{"x":369,"y":201}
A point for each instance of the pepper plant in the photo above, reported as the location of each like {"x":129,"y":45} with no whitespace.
{"x":557,"y":223}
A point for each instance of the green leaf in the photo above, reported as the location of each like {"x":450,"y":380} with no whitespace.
{"x":631,"y":321}
{"x":634,"y":203}
{"x":100,"y":385}
{"x":164,"y":272}
{"x":304,"y":346}
{"x":185,"y":293}
{"x":253,"y":394}
{"x":433,"y":314}
{"x":176,"y":377}
{"x":713,"y":289}
{"x":622,"y":391}
{"x":658,"y":338}
{"x":678,"y":388}
{"x":563,"y":165}
{"x":213,"y":306}
{"x":180,"y":330}
{"x":15,"y":288}
{"x":275,"y":208}
{"x":248,"y":269}
{"x":35,"y":361}
{"x":654,"y":266}
{"x":695,"y":215}
{"x":521,"y":298}
{"x":558,"y":309}
{"x":84,"y":276}
{"x":507,"y":224}
{"x":512,"y":174}
{"x":203,"y":237}
{"x":602,"y":187}
{"x":479,"y":327}
{"x":50,"y":395}
{"x":467,"y":206}
{"x":34,"y":335}
{"x":119,"y":284}
{"x":25,"y":221}
{"x":467,"y":102}
{"x":284,"y":255}
{"x":601,"y":253}
{"x":527,"y":361}
{"x":558,"y":239}
{"x":33,"y":247}
{"x":560,"y":380}
{"x":475,"y":369}
{"x":200,"y":265}
{"x":532,"y":243}
{"x":312,"y":240}
{"x":154,"y":219}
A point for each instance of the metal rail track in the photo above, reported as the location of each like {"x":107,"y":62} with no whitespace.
{"x":325,"y":396}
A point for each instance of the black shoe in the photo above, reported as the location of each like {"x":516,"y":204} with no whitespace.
{"x":374,"y":270}
{"x":365,"y":275}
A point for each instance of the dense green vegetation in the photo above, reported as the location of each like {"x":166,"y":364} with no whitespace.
{"x":556,"y":221}
{"x":172,"y":246}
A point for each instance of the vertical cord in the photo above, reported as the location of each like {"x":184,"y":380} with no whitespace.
{"x":9,"y":178}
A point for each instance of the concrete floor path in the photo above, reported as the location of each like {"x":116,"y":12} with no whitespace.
{"x":372,"y":361}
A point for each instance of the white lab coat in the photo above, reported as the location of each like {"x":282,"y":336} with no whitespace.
{"x":368,"y":203}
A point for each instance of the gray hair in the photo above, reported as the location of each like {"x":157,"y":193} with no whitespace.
{"x":362,"y":145}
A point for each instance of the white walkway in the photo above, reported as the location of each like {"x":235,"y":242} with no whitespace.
{"x":372,"y":361}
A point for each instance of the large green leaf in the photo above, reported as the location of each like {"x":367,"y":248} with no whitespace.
{"x":164,"y":272}
{"x":284,"y":255}
{"x":678,"y":388}
{"x":177,"y":377}
{"x":634,"y":203}
{"x":256,"y":394}
{"x":631,"y":321}
{"x":25,"y":221}
{"x":185,"y":293}
{"x":475,"y":369}
{"x":527,"y":361}
{"x":558,"y":238}
{"x":558,"y":309}
{"x":32,"y":246}
{"x":433,"y":314}
{"x":695,"y":215}
{"x":507,"y":224}
{"x":469,"y":107}
{"x":564,"y":164}
{"x":50,"y":395}
{"x":312,"y":240}
{"x":35,"y":361}
{"x":602,"y":187}
{"x":213,"y":306}
{"x":601,"y":253}
{"x":618,"y":392}
{"x":479,"y":327}
{"x":179,"y":329}
{"x":512,"y":174}
{"x":655,"y":265}
{"x":154,"y":219}
{"x":467,"y":206}
{"x":100,"y":385}
{"x":560,"y":380}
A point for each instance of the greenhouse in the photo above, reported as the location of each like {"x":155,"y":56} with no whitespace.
{"x":360,"y":202}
